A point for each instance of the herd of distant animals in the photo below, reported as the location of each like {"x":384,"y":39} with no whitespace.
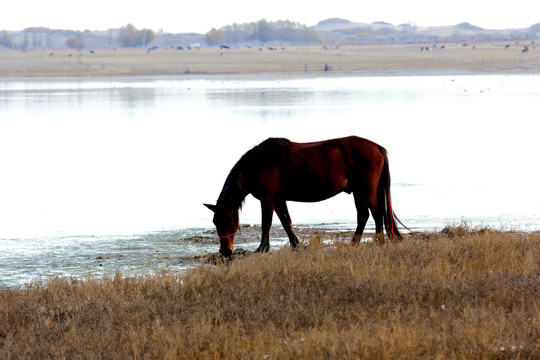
{"x":524,"y":49}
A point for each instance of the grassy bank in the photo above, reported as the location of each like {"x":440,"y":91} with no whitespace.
{"x":458,"y":294}
{"x":383,"y":59}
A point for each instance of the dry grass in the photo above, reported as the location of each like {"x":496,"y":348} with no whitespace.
{"x":385,"y":59}
{"x":460,"y":294}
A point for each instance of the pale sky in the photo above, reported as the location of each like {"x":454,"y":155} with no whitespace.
{"x":201,"y":15}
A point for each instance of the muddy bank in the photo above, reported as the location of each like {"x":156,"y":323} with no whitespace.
{"x":248,"y":237}
{"x":252,"y":233}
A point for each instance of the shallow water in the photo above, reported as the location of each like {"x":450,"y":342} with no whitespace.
{"x":114,"y":171}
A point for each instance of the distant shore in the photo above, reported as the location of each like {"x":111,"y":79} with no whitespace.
{"x":358,"y":60}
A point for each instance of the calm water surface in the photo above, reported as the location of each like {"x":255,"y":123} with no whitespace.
{"x":96,"y":170}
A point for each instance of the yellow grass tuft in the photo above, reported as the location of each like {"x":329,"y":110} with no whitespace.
{"x":457,"y":295}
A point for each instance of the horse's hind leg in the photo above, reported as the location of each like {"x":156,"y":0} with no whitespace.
{"x":283,"y":214}
{"x":362,"y":216}
{"x":378,"y":215}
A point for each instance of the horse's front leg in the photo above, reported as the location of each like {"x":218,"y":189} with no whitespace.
{"x":267,"y":211}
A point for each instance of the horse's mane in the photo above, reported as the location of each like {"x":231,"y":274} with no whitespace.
{"x":235,"y":187}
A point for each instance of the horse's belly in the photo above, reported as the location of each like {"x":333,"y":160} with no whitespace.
{"x":313,"y":192}
{"x":316,"y":198}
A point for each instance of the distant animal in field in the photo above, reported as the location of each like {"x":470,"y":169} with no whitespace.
{"x":279,"y":170}
{"x":525,"y":49}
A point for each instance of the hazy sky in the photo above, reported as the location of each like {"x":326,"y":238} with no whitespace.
{"x":201,"y":15}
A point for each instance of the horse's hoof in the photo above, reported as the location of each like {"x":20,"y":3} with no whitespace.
{"x":262,"y":249}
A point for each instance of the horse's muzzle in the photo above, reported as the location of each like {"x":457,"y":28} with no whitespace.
{"x":225,"y":252}
{"x":226,"y":245}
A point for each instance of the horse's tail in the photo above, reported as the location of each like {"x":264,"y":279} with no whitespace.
{"x":385,"y":198}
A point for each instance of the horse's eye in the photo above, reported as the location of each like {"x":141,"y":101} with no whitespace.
{"x":223,"y":220}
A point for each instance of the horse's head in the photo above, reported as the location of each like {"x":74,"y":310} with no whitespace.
{"x":226,"y":222}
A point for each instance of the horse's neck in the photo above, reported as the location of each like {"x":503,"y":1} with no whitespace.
{"x":233,"y":193}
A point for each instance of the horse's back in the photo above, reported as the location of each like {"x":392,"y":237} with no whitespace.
{"x":353,"y":142}
{"x":359,"y":160}
{"x":315,"y":171}
{"x":351,"y":151}
{"x":337,"y":154}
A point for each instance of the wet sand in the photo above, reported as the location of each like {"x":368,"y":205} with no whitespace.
{"x":252,"y":233}
{"x":382,"y":60}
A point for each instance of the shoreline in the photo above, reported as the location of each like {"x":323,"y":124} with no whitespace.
{"x":377,"y":60}
{"x":145,"y":254}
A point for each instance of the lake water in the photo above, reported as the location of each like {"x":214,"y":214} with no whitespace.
{"x":113,"y":171}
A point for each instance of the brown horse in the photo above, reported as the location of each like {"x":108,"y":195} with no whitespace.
{"x":278,"y":170}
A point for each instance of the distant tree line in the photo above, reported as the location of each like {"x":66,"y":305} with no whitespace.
{"x":262,"y":31}
{"x":41,"y":37}
{"x":126,"y":36}
{"x":129,"y":36}
{"x":6,"y":39}
{"x":257,"y":33}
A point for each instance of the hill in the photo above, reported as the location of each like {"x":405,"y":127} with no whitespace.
{"x":340,"y":31}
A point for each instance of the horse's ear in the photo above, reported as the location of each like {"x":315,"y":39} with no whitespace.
{"x":211,"y":207}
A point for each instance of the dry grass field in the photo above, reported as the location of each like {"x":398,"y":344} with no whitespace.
{"x":459,"y":294}
{"x":382,"y":59}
